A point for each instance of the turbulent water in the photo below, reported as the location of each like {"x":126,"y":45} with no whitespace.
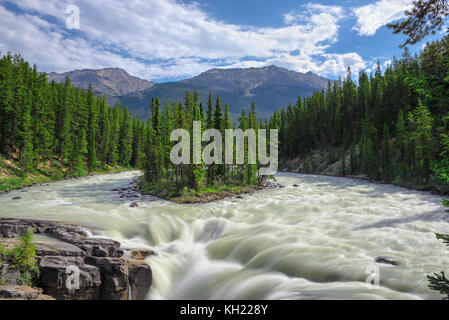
{"x":315,"y":241}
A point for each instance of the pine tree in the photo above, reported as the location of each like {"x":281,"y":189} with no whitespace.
{"x":91,"y":131}
{"x":103,"y":132}
{"x":150,"y":153}
{"x":227,"y":124}
{"x":421,"y":122}
{"x":63,"y":120}
{"x":401,"y":145}
{"x":77,"y":154}
{"x":216,"y":171}
{"x":25,"y":133}
{"x":210,"y":113}
{"x":124,"y":140}
{"x":353,"y":159}
{"x":157,"y":127}
{"x":251,"y":171}
{"x":243,"y":125}
{"x":6,"y":103}
{"x":386,"y":156}
{"x":439,"y":282}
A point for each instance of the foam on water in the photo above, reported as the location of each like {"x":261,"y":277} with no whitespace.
{"x":314,"y":241}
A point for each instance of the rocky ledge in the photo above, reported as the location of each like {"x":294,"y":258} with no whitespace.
{"x":104,"y":274}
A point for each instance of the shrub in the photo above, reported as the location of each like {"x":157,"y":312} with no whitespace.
{"x":2,"y":254}
{"x":2,"y":250}
{"x":24,"y":258}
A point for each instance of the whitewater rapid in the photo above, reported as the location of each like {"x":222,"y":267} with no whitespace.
{"x":313,"y":241}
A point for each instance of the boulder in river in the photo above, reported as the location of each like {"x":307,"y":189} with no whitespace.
{"x":386,"y":260}
{"x":134,"y":205}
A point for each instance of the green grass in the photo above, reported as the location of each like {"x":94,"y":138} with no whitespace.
{"x":12,"y":177}
{"x":9,"y":184}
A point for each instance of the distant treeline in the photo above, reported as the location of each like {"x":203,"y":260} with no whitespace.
{"x":393,"y":124}
{"x":44,"y":122}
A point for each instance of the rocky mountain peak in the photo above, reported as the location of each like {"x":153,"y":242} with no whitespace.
{"x":109,"y":81}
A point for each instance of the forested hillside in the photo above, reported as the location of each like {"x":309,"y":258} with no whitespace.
{"x":42,"y":121}
{"x":389,"y":126}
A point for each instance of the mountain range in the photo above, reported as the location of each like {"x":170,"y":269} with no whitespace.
{"x":270,"y":87}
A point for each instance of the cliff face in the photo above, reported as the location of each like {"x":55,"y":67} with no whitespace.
{"x":103,"y":272}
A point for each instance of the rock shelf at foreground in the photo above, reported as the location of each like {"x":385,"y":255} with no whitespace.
{"x":104,"y":273}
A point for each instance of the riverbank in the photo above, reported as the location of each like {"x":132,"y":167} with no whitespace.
{"x":106,"y":270}
{"x":432,"y":190}
{"x":326,"y":163}
{"x":13,"y":178}
{"x":169,"y":191}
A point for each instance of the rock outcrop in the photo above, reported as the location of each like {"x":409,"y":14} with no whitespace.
{"x":140,"y":278}
{"x":16,"y":292}
{"x":54,"y":278}
{"x":141,"y":254}
{"x":96,"y":262}
{"x":114,"y":277}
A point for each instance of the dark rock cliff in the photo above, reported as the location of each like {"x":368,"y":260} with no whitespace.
{"x":103,"y":272}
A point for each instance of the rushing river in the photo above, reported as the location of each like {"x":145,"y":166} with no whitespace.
{"x":314,"y":241}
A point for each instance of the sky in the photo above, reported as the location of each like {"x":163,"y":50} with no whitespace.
{"x":168,"y":40}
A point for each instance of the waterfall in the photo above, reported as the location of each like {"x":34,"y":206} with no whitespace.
{"x":314,"y":240}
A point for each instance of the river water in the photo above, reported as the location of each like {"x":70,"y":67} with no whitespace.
{"x":315,"y":241}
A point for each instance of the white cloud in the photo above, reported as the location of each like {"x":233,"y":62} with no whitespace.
{"x":373,"y":16}
{"x":315,"y":12}
{"x":338,"y":64}
{"x":157,"y":39}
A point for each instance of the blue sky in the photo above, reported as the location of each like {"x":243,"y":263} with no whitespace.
{"x":165,"y":40}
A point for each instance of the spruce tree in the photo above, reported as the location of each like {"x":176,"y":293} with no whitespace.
{"x":124,"y":140}
{"x":91,"y":131}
